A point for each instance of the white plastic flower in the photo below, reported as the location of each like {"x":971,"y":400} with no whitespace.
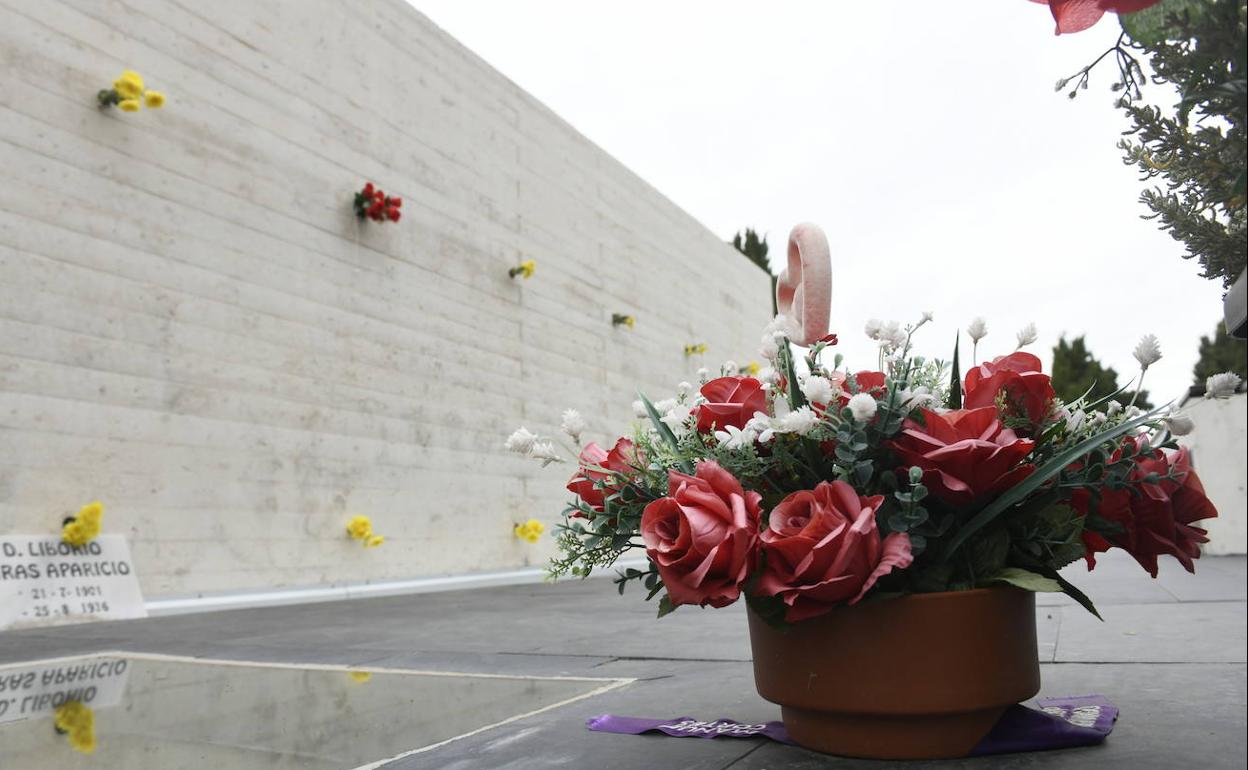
{"x":677,"y":419}
{"x":769,"y":348}
{"x":730,"y":369}
{"x":703,"y":374}
{"x":769,"y":376}
{"x":684,"y":388}
{"x":800,"y":421}
{"x":781,"y":327}
{"x":546,"y":452}
{"x":1148,"y":352}
{"x":1076,"y":420}
{"x":573,"y":424}
{"x":639,"y":409}
{"x":1222,"y":385}
{"x":927,"y":316}
{"x":978,"y":329}
{"x":664,"y":406}
{"x":1179,"y":424}
{"x":818,"y":390}
{"x":862,"y":406}
{"x":762,"y":425}
{"x":1027,"y":335}
{"x":873,"y":328}
{"x":521,"y":442}
{"x":1113,"y":407}
{"x":732,"y":437}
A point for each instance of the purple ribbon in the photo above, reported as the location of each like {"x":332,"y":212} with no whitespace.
{"x":1060,"y":723}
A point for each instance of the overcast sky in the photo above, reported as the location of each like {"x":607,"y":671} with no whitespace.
{"x":925,"y":138}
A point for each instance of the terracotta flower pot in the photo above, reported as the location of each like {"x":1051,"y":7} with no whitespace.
{"x":921,"y":677}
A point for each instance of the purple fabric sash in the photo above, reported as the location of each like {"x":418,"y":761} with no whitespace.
{"x":1060,"y":723}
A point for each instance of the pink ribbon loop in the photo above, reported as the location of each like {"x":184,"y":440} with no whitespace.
{"x":804,"y":289}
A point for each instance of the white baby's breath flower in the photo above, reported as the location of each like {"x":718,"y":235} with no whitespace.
{"x":677,"y":419}
{"x":1076,"y":420}
{"x":664,"y":406}
{"x":684,"y":388}
{"x":1148,"y":352}
{"x":521,"y":442}
{"x":573,"y":424}
{"x":546,"y":452}
{"x":703,"y":374}
{"x":730,"y":369}
{"x":1113,"y":407}
{"x":1097,"y":419}
{"x":978,"y":329}
{"x":1179,"y":424}
{"x":800,"y":421}
{"x":862,"y":406}
{"x":769,"y":348}
{"x":918,"y":398}
{"x":873,"y":328}
{"x":769,"y":376}
{"x":818,"y":390}
{"x":1222,"y":385}
{"x":1027,"y":335}
{"x":639,"y":409}
{"x":762,"y":425}
{"x":927,"y":316}
{"x":781,"y":327}
{"x":733,"y":437}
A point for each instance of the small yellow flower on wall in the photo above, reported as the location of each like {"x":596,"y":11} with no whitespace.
{"x":84,"y":527}
{"x":361,"y":528}
{"x":696,"y":348}
{"x":530,"y":531}
{"x":525,"y":269}
{"x":752,"y":368}
{"x":361,"y":676}
{"x":619,"y":319}
{"x":78,"y":722}
{"x":129,"y":94}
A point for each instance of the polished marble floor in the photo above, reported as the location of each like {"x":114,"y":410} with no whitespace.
{"x":506,"y":677}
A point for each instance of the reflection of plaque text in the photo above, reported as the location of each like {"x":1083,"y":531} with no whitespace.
{"x":44,"y":580}
{"x":39,"y":689}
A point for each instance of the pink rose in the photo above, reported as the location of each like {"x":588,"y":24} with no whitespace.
{"x":822,"y":548}
{"x":701,"y":537}
{"x":730,"y":401}
{"x":593,"y":485}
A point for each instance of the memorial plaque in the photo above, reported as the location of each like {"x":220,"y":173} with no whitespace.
{"x":45,"y":581}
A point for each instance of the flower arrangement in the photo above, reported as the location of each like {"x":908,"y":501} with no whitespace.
{"x":373,"y":203}
{"x":813,"y":485}
{"x":129,"y":94}
{"x":525,"y":269}
{"x":620,"y":319}
{"x":76,"y":721}
{"x":83,"y":527}
{"x":361,"y":528}
{"x":530,"y":531}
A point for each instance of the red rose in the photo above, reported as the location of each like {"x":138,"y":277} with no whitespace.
{"x":871,"y":382}
{"x":701,"y":537}
{"x":396,"y":203}
{"x":821,"y":548}
{"x":368,"y":190}
{"x":393,"y":214}
{"x":623,"y":459}
{"x":1078,"y":15}
{"x":1027,"y":392}
{"x":730,"y":401}
{"x":1156,"y":519}
{"x":966,"y":456}
{"x":374,"y":210}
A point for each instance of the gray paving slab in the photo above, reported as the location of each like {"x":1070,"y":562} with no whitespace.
{"x":1197,"y":632}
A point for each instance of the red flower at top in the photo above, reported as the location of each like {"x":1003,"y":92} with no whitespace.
{"x":1017,"y":379}
{"x":967,"y":456}
{"x":1078,"y":15}
{"x":374,"y":204}
{"x":730,"y":401}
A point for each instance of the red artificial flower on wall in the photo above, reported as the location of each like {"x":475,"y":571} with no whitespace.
{"x":1078,"y":15}
{"x":374,"y":204}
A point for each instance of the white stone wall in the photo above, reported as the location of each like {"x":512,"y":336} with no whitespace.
{"x":195,"y":330}
{"x":1219,"y":447}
